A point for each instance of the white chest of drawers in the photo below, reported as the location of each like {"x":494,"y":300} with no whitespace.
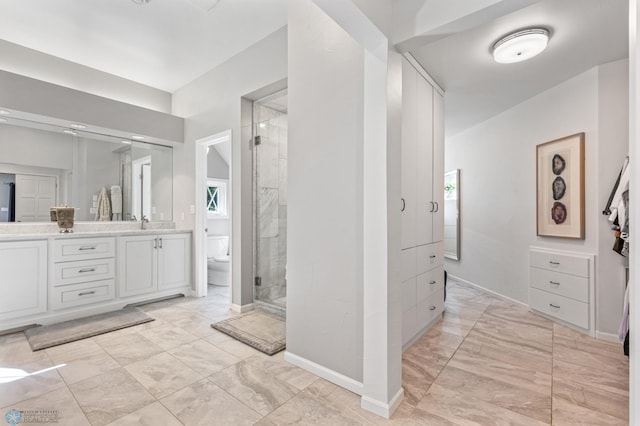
{"x":83,"y":271}
{"x":561,"y":286}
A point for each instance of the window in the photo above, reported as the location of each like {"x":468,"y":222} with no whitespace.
{"x":216,"y":198}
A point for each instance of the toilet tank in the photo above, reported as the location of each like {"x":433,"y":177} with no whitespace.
{"x":217,"y":245}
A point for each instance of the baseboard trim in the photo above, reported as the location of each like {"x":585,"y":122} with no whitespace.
{"x":486,"y":290}
{"x":381,"y":408}
{"x":242,"y":308}
{"x":610,"y":337}
{"x":327,"y":374}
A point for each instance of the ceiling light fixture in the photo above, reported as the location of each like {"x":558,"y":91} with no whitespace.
{"x":4,"y":112}
{"x":70,"y":132}
{"x":142,"y":2}
{"x":137,"y":137}
{"x":126,"y":142}
{"x":520,"y":46}
{"x":77,"y":126}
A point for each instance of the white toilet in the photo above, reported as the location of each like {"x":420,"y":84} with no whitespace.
{"x":218,"y":260}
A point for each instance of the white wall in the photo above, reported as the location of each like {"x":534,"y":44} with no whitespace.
{"x":212,"y":104}
{"x":325,"y":264}
{"x":498,"y":184}
{"x":25,"y":146}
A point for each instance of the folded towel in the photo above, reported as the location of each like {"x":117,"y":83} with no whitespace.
{"x":116,"y":200}
{"x":103,"y":212}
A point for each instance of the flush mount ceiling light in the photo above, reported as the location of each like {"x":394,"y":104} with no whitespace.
{"x":141,"y":1}
{"x":4,"y":112}
{"x":77,"y":126}
{"x":137,"y":137}
{"x":520,"y":46}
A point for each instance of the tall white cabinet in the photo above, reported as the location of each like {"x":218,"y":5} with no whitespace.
{"x":422,"y":204}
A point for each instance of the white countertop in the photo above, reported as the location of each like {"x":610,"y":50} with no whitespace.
{"x":39,"y":231}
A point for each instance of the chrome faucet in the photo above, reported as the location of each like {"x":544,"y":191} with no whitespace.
{"x":142,"y":221}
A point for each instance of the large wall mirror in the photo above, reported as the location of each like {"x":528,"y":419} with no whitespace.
{"x":43,"y":165}
{"x":452,"y":214}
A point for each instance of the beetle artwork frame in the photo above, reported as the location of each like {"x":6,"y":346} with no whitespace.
{"x":560,"y":187}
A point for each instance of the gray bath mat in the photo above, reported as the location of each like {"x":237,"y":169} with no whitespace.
{"x":258,"y":329}
{"x":70,"y":331}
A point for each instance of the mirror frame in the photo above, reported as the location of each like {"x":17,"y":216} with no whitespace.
{"x":456,"y":174}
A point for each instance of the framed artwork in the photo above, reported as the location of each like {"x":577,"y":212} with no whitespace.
{"x":560,"y":187}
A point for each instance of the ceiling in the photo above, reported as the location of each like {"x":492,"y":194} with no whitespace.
{"x":168,"y":43}
{"x":584,"y":34}
{"x":164,"y":44}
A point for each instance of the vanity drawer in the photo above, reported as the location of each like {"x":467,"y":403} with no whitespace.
{"x":430,"y":308}
{"x":82,"y":294}
{"x":566,"y":264}
{"x":566,"y":285}
{"x":563,"y":308}
{"x":83,"y":271}
{"x":430,"y":256}
{"x":83,"y":249}
{"x":429,"y":282}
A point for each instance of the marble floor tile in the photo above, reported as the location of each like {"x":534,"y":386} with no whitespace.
{"x":282,"y":370}
{"x":408,"y":415}
{"x":168,"y":337}
{"x":565,"y":413}
{"x":611,"y":402}
{"x":109,"y":396}
{"x":196,"y":324}
{"x":518,"y":315}
{"x":15,"y":352}
{"x":217,"y":337}
{"x":60,"y":403}
{"x":128,"y":348}
{"x":203,"y":357}
{"x":592,"y":377}
{"x":154,"y":414}
{"x":304,"y":409}
{"x":204,"y":403}
{"x":42,"y":379}
{"x":577,"y":352}
{"x":162,"y":374}
{"x":419,"y":370}
{"x":237,"y":349}
{"x":254,"y":386}
{"x":526,"y":335}
{"x":82,"y":359}
{"x":465,"y":409}
{"x":499,"y":393}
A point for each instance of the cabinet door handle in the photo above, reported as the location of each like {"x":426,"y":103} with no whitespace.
{"x":433,"y":206}
{"x":551,"y":262}
{"x":404,"y":204}
{"x":437,"y":207}
{"x":160,"y":242}
{"x":82,"y":271}
{"x":86,"y":293}
{"x":155,"y":243}
{"x":83,"y":248}
{"x":432,"y":308}
{"x":433,"y":256}
{"x":554,"y":306}
{"x":432,"y":282}
{"x":553,"y":283}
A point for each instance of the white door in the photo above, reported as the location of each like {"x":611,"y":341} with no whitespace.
{"x":409,"y":150}
{"x":424,"y":159}
{"x":174,"y":260}
{"x":34,"y":196}
{"x":137,"y":265}
{"x":438,"y":166}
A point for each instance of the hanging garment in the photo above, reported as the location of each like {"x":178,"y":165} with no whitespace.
{"x":618,"y":207}
{"x":607,"y":208}
{"x":624,"y":323}
{"x":116,"y":203}
{"x":103,"y":211}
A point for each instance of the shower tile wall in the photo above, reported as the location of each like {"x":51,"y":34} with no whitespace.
{"x":271,"y":203}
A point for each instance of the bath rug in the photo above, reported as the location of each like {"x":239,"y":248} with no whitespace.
{"x":259,"y":329}
{"x":43,"y":337}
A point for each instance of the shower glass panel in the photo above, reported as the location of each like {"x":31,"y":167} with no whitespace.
{"x":270,"y":199}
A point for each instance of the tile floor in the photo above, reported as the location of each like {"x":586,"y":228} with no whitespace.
{"x":487,"y":362}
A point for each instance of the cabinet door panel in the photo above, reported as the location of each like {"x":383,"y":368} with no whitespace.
{"x":174,"y":265}
{"x":408,"y":148}
{"x":137,"y":270}
{"x":423,"y":160}
{"x":23,"y":282}
{"x":438,"y":166}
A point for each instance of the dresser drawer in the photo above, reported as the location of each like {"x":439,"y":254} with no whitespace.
{"x":83,"y":270}
{"x":83,"y":249}
{"x":429,"y":282}
{"x":558,"y":283}
{"x":430,"y":309}
{"x":429,"y":256}
{"x":82,"y":294}
{"x":560,"y":307}
{"x":566,"y":264}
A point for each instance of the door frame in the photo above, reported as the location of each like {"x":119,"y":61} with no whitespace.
{"x":199,"y":236}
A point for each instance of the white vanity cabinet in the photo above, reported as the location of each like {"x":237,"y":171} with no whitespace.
{"x":23,"y":279}
{"x":83,"y":271}
{"x":152,"y":263}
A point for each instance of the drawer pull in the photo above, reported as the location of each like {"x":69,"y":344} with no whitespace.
{"x":432,"y":308}
{"x":432,"y":282}
{"x":87,"y":248}
{"x":551,"y":262}
{"x":554,"y":306}
{"x":433,"y":256}
{"x":82,"y":271}
{"x":86,"y":293}
{"x":554,"y":283}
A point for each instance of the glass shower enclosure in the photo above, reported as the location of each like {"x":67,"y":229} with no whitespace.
{"x":270,"y":200}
